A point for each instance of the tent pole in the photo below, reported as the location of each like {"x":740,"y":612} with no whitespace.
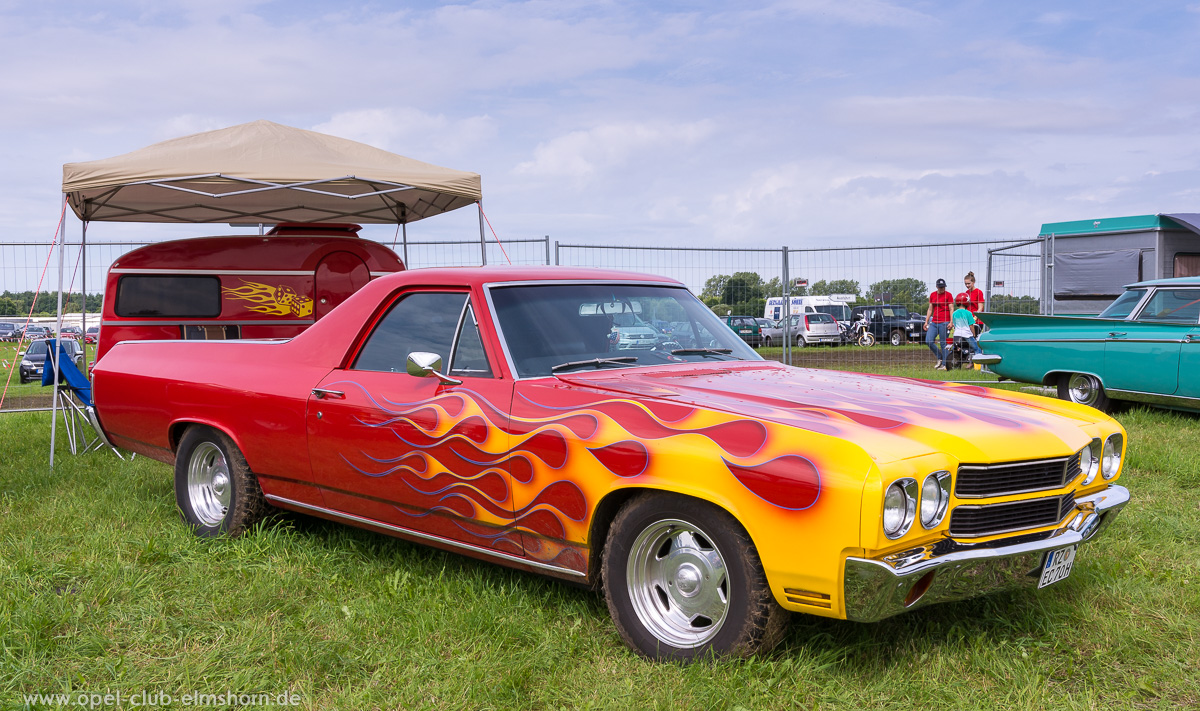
{"x":54,"y":352}
{"x":404,"y":236}
{"x":482,"y":239}
{"x":83,"y":291}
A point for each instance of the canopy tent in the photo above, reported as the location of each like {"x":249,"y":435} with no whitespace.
{"x":260,"y":173}
{"x":263,"y":172}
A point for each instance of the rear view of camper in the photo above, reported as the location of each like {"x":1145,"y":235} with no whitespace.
{"x":217,"y":288}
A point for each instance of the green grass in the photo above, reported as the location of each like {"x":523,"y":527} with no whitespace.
{"x":102,"y":588}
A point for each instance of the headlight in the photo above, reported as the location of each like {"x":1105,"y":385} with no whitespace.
{"x":899,"y":507}
{"x":27,"y":363}
{"x":1089,"y":461}
{"x":935,"y":498}
{"x":1110,"y":464}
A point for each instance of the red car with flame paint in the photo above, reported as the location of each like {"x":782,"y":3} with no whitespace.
{"x":708,"y":492}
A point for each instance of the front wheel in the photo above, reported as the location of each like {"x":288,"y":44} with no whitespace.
{"x":683,"y":581}
{"x":766,"y":342}
{"x":214,"y":487}
{"x":1083,"y":389}
{"x":867,"y":339}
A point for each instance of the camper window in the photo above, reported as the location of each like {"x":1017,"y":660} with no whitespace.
{"x":169,"y":296}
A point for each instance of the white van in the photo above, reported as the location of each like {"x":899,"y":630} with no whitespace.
{"x":836,"y":305}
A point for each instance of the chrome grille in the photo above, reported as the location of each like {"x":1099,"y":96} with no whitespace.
{"x":975,"y":521}
{"x":980,"y":480}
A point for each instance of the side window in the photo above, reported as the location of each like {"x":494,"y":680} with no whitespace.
{"x":469,"y":357}
{"x":1172,"y":306}
{"x":425,"y":321}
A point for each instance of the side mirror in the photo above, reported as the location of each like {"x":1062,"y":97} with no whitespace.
{"x":428,"y":365}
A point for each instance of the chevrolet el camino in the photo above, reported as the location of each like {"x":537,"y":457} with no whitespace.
{"x":491,"y":412}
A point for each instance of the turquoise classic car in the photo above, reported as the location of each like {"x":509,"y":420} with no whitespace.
{"x":1144,"y":347}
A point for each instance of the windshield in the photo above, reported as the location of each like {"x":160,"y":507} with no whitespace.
{"x":841,"y":312}
{"x":1123,"y":306}
{"x":559,"y":325}
{"x":895,"y":312}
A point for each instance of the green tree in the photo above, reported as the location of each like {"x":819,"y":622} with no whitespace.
{"x":8,"y":307}
{"x":836,"y":286}
{"x":1013,"y":304}
{"x":910,"y":293}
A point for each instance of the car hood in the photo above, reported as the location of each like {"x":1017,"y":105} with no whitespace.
{"x":891,"y":418}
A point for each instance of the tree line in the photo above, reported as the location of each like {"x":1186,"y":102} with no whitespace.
{"x":746,"y":293}
{"x":19,"y":303}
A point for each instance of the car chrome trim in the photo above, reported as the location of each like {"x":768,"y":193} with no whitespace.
{"x":212,"y":272}
{"x":1155,"y":398}
{"x":424,"y":536}
{"x":986,"y":358}
{"x":877,"y":588}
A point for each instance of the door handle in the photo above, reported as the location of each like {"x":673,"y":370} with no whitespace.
{"x":1114,"y":334}
{"x":1191,"y":337}
{"x":321,"y":393}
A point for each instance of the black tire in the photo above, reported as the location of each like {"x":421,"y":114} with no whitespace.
{"x":953,"y":359}
{"x":866,"y":340}
{"x":1083,"y":389}
{"x":800,"y":343}
{"x":216,"y":492}
{"x":897,"y":337}
{"x":766,"y":342}
{"x":660,"y":545}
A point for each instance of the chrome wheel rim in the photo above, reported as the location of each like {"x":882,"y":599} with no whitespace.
{"x":896,"y":339}
{"x":208,"y":484}
{"x":678,"y":583}
{"x":1083,"y":389}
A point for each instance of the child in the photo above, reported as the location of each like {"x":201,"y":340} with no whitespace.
{"x":963,"y":322}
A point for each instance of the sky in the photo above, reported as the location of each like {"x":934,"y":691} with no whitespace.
{"x":746,"y":124}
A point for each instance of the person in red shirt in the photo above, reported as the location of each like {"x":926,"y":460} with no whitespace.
{"x":937,"y":322}
{"x":975,"y":299}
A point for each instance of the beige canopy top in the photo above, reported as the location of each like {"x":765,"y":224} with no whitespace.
{"x":264,"y":172}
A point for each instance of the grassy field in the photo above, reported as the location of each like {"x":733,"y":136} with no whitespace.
{"x":103,"y":590}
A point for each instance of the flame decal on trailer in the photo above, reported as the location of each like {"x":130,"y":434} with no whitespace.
{"x":273,"y":300}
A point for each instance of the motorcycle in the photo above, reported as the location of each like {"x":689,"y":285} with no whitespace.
{"x":860,"y":334}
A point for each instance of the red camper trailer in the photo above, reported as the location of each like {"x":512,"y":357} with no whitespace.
{"x":217,"y":288}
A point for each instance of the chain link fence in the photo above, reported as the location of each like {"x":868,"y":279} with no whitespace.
{"x":891,"y":283}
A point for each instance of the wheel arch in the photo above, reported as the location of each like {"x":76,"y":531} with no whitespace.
{"x":606,"y":511}
{"x":177,"y":428}
{"x":1051,"y":377}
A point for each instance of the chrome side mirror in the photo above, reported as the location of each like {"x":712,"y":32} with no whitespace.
{"x":428,"y":365}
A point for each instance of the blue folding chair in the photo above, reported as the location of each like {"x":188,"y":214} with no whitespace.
{"x":74,"y":398}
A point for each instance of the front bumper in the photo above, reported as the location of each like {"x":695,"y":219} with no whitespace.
{"x":947,"y":570}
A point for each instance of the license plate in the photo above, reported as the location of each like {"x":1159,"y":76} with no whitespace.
{"x":744,"y":330}
{"x":1058,"y":566}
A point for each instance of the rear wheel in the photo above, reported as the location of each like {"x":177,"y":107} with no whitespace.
{"x":897,"y":337}
{"x":766,"y":341}
{"x":683,"y":580}
{"x":1084,"y":389}
{"x":214,"y":487}
{"x":867,"y":339}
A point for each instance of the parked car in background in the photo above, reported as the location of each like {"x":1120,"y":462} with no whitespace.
{"x":34,"y":357}
{"x":1145,"y":347}
{"x":72,"y":332}
{"x":815,"y":328}
{"x":891,"y":323}
{"x":486,"y":411}
{"x":93,"y":333}
{"x":772,"y":332}
{"x":746,"y":328}
{"x":8,"y":330}
{"x":33,"y":332}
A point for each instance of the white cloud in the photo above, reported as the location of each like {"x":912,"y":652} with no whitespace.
{"x":585,"y":153}
{"x":975,"y":113}
{"x":411,"y":132}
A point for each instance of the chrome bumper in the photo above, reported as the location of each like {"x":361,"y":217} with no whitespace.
{"x":946,"y":571}
{"x":985,"y":358}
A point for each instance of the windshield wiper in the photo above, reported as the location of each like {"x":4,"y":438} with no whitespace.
{"x":705,"y":352}
{"x":595,"y":362}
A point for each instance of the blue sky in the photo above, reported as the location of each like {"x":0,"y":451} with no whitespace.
{"x":803,"y":122}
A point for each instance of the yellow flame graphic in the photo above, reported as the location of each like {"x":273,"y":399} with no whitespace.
{"x":273,"y":300}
